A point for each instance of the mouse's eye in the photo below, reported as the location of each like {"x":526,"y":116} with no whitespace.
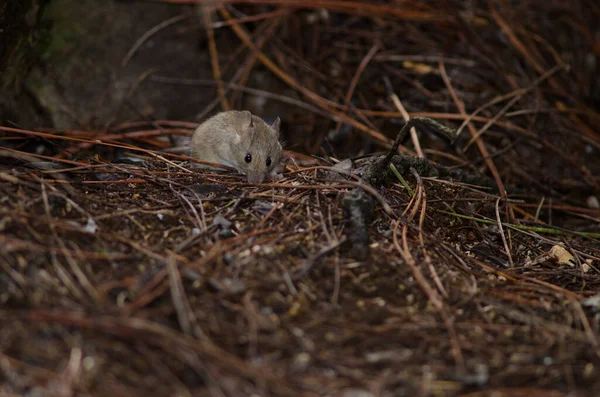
{"x":248,"y":158}
{"x":268,"y":161}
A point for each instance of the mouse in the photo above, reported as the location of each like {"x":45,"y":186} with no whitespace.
{"x":240,"y":140}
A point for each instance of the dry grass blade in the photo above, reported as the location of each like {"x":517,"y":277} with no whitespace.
{"x":185,"y":315}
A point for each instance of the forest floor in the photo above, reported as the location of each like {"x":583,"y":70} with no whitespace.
{"x":126,"y":271}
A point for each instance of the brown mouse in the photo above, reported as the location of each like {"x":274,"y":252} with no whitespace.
{"x":241,"y":140}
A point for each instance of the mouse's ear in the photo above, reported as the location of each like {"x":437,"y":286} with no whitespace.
{"x":276,"y":125}
{"x":244,"y":121}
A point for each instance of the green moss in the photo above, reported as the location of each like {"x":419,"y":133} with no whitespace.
{"x":23,"y":41}
{"x":66,"y":33}
{"x":48,"y":31}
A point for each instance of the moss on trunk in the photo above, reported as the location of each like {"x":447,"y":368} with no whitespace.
{"x":23,"y":39}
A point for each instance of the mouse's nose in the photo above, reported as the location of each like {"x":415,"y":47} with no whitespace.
{"x":255,"y":177}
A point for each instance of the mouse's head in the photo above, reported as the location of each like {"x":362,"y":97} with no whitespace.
{"x":258,"y":152}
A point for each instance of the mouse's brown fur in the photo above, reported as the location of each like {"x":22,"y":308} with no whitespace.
{"x":233,"y":137}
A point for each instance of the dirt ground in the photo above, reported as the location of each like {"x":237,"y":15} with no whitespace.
{"x":126,"y":271}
